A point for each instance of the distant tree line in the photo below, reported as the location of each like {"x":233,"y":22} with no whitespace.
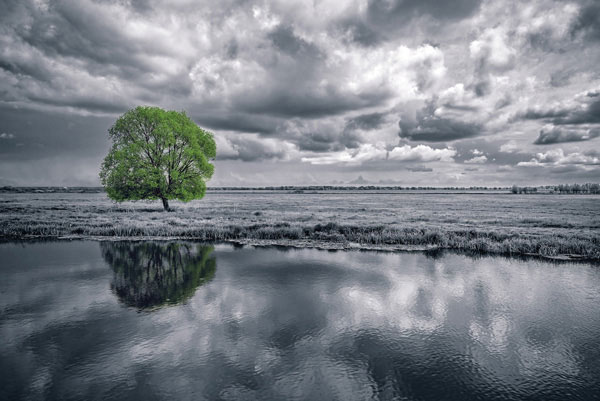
{"x":523,"y":190}
{"x":356,"y":188}
{"x":587,"y":188}
{"x":51,"y":190}
{"x":270,"y":188}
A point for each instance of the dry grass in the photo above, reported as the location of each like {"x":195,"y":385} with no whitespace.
{"x":511,"y":225}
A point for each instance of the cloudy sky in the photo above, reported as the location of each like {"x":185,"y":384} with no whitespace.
{"x":425,"y":92}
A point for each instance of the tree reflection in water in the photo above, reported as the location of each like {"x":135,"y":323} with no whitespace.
{"x":153,"y":274}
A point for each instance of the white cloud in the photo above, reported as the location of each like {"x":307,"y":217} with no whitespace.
{"x":366,"y":152}
{"x":402,"y":70}
{"x":557,"y":157}
{"x":509,"y":147}
{"x":477,"y":160}
{"x":421,"y":153}
{"x":492,"y":50}
{"x":369,"y":152}
{"x":4,"y":135}
{"x":549,"y":23}
{"x":250,"y":147}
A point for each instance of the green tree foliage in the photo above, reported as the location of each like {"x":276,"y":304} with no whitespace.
{"x":157,"y":154}
{"x":148,"y":275}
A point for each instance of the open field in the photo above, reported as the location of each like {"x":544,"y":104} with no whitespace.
{"x":555,"y":226}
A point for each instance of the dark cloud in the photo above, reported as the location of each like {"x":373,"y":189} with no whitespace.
{"x":232,"y":49}
{"x":592,"y":153}
{"x":430,"y":128}
{"x":39,"y":134}
{"x":549,"y":136}
{"x":321,"y":141}
{"x":250,"y":149}
{"x":502,"y":103}
{"x":86,"y":102}
{"x":308,"y":102}
{"x":288,"y":78}
{"x":588,"y":21}
{"x":587,"y":114}
{"x":299,"y":83}
{"x":358,"y":31}
{"x":72,"y":56}
{"x":482,"y":87}
{"x":367,"y":122}
{"x":419,"y":169}
{"x":397,"y":11}
{"x":583,"y":110}
{"x":231,"y":121}
{"x":73,"y":30}
{"x":383,"y":18}
{"x":561,"y":78}
{"x":285,"y":40}
{"x":330,"y":137}
{"x":255,"y":151}
{"x":324,"y":139}
{"x":350,"y":139}
{"x":25,"y":68}
{"x":52,"y":148}
{"x":551,"y":113}
{"x":591,"y":114}
{"x":141,"y":6}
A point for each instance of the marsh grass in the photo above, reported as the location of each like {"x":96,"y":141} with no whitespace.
{"x":509,"y":226}
{"x":465,"y":240}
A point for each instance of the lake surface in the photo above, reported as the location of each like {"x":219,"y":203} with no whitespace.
{"x":185,"y":321}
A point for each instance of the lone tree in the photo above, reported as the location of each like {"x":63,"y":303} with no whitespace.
{"x":157,"y":154}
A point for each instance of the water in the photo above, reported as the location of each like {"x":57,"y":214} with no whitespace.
{"x":182,"y":321}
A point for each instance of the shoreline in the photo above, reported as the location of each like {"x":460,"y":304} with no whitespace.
{"x":502,"y":225}
{"x":311,"y":244}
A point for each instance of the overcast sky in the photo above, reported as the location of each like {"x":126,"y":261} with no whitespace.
{"x":426,"y":92}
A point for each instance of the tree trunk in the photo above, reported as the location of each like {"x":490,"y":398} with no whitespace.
{"x":165,"y":202}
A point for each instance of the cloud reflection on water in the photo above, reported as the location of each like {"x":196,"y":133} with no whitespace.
{"x":310,"y":324}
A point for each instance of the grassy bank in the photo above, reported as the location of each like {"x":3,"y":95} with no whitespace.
{"x":488,"y":225}
{"x":381,"y":236}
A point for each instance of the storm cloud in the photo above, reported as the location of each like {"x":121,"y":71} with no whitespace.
{"x":584,"y":108}
{"x":588,"y":21}
{"x":428,"y":126}
{"x":324,"y":90}
{"x":552,"y":135}
{"x":435,"y":129}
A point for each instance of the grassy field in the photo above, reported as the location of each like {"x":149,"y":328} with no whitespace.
{"x":546,"y":225}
